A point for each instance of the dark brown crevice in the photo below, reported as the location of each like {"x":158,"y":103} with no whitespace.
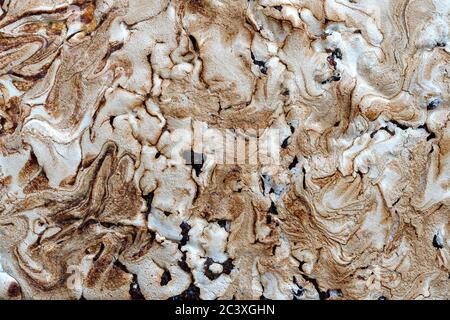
{"x":185,"y":227}
{"x":437,"y":243}
{"x":228,"y":266}
{"x":148,"y":201}
{"x":396,"y":201}
{"x":208,"y":273}
{"x":183,"y":264}
{"x":332,"y":78}
{"x":399,"y":125}
{"x":337,"y":54}
{"x":292,"y":128}
{"x":285,"y":143}
{"x":35,"y":77}
{"x":433,"y":104}
{"x":259,"y":63}
{"x":391,"y":133}
{"x":194,"y":43}
{"x":304,"y":178}
{"x":293,"y":163}
{"x":300,"y":291}
{"x":263,"y":183}
{"x":323,"y":295}
{"x":165,"y":278}
{"x":273,"y":209}
{"x":135,"y":290}
{"x":431,"y":134}
{"x":190,"y":294}
{"x":100,"y":251}
{"x":225,"y":224}
{"x":167,"y":213}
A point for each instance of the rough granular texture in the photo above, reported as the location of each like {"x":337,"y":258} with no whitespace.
{"x":106,"y":192}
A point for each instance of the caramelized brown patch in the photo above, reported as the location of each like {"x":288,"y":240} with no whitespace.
{"x":30,"y":168}
{"x":14,"y":290}
{"x":37,"y":184}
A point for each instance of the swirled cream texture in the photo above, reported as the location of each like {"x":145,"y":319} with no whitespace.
{"x":106,"y":192}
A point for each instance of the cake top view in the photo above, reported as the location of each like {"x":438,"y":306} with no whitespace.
{"x":224,"y":149}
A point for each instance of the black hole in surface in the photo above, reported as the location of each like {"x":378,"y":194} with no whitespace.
{"x":433,"y":104}
{"x":398,"y":124}
{"x":285,"y":143}
{"x":396,"y":201}
{"x":337,"y":54}
{"x":273,"y":208}
{"x":208,"y":273}
{"x":135,"y":290}
{"x":300,"y":291}
{"x":274,"y":249}
{"x":436,"y":243}
{"x":183,"y":264}
{"x":100,"y":251}
{"x":324,"y":295}
{"x":121,"y":266}
{"x":185,"y":227}
{"x":192,"y":293}
{"x":165,"y":278}
{"x":260,"y":64}
{"x":335,"y":78}
{"x":304,"y":178}
{"x":107,"y":225}
{"x":223,"y":224}
{"x":148,"y":201}
{"x":228,"y":266}
{"x":194,"y":43}
{"x":293,"y":163}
